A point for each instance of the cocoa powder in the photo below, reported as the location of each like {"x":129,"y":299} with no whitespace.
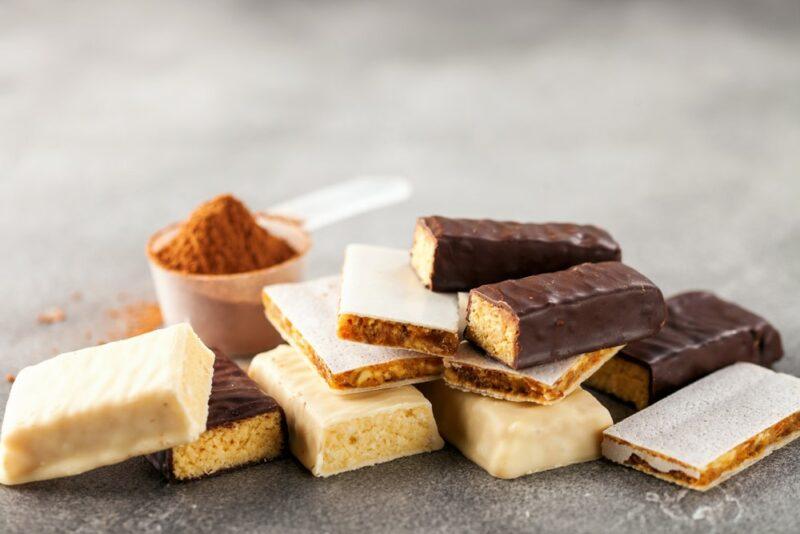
{"x":222,"y":237}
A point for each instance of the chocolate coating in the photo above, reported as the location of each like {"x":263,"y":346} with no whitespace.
{"x":234,"y":397}
{"x":703,"y":333}
{"x":583,"y":309}
{"x":473,"y":252}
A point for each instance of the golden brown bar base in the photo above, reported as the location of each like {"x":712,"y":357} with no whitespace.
{"x":236,"y":444}
{"x":727,"y":465}
{"x":516,"y":387}
{"x":369,"y":376}
{"x":492,"y":328}
{"x":399,"y":335}
{"x":423,"y":251}
{"x":623,"y":380}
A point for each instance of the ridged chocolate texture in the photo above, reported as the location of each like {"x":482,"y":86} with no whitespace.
{"x":473,"y":252}
{"x":703,"y":333}
{"x":234,"y":397}
{"x":583,"y":309}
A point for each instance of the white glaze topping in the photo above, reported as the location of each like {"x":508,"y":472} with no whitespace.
{"x":701,"y":422}
{"x":102,"y":405}
{"x":311,"y":308}
{"x":312,"y":409}
{"x":512,"y":439}
{"x":379,"y":283}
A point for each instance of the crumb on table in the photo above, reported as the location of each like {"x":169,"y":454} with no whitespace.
{"x":52,"y":315}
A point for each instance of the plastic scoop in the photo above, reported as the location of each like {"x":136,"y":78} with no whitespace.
{"x":225,"y":309}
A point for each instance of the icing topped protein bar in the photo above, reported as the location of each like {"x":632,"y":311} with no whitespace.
{"x":383,"y":303}
{"x":711,"y":429}
{"x":305,"y":315}
{"x":461,"y":254}
{"x":703,"y":333}
{"x":552,"y":316}
{"x":468,"y":370}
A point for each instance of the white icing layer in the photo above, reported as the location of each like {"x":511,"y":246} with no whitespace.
{"x":701,"y":422}
{"x":311,"y":308}
{"x":512,"y":439}
{"x":102,"y":405}
{"x":379,"y":283}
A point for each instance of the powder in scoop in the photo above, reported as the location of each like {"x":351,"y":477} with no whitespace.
{"x":222,"y":237}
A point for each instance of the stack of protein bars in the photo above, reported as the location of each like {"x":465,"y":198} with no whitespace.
{"x":548,"y":304}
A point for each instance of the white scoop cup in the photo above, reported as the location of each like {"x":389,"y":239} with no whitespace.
{"x":225,"y":309}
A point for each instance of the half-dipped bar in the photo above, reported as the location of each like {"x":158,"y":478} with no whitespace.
{"x":461,"y":254}
{"x":710,"y":430}
{"x":102,"y":405}
{"x":244,"y":427}
{"x":552,"y":316}
{"x":383,"y":303}
{"x":512,"y":439}
{"x":305,"y":315}
{"x":703,"y":333}
{"x":469,"y":370}
{"x":332,"y":433}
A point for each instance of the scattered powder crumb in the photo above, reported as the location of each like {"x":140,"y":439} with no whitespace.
{"x":76,"y":296}
{"x":134,"y":319}
{"x":10,"y":378}
{"x":52,"y":315}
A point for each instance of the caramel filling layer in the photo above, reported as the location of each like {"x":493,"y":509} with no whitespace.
{"x":737,"y":458}
{"x":364,"y":377}
{"x":392,"y":334}
{"x":516,"y":387}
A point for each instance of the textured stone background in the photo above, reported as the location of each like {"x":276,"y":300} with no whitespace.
{"x":676,"y":125}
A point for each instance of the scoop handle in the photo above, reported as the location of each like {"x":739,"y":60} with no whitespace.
{"x":341,"y":201}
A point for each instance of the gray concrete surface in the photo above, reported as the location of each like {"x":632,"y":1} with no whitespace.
{"x":674,"y":124}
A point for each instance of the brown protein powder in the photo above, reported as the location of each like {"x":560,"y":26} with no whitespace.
{"x":222,"y":237}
